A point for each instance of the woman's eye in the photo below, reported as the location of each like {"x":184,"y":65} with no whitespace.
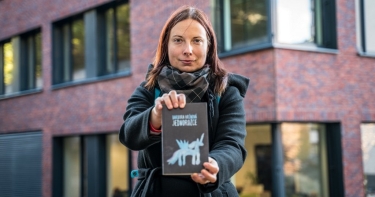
{"x":177,"y":40}
{"x":198,"y":41}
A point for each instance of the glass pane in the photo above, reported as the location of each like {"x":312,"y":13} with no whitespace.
{"x":368,"y":156}
{"x":123,"y":37}
{"x":117,"y":167}
{"x":110,"y":40}
{"x":31,"y":64}
{"x":72,"y":164}
{"x":305,"y":160}
{"x":78,"y":50}
{"x":248,"y":23}
{"x":255,"y":178}
{"x":8,"y":68}
{"x":66,"y":45}
{"x":217,"y":23}
{"x":30,"y":47}
{"x":38,"y":60}
{"x":369,"y":7}
{"x":295,"y":21}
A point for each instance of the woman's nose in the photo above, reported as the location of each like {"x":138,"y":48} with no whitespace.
{"x":188,"y":50}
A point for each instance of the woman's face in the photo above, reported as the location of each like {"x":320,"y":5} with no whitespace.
{"x":187,"y":46}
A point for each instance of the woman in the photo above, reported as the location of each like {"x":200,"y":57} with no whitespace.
{"x":187,"y":53}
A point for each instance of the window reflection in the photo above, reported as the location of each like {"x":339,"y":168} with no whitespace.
{"x":117,"y":167}
{"x":20,"y":63}
{"x":8,"y":67}
{"x":78,"y":52}
{"x":245,"y":23}
{"x":116,"y":39}
{"x":305,"y":160}
{"x":31,"y":62}
{"x":110,"y":58}
{"x":295,"y":21}
{"x":255,"y":177}
{"x":368,"y":156}
{"x":72,"y":164}
{"x":123,"y":37}
{"x":76,"y":163}
{"x":38,"y":60}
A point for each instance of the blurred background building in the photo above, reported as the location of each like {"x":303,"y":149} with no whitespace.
{"x":68,"y":67}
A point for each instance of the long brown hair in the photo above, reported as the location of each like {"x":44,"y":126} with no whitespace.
{"x":161,"y":56}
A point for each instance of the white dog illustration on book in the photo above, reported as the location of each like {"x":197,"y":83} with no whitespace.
{"x":185,"y":150}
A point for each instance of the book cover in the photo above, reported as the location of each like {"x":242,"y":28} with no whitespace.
{"x":184,"y":139}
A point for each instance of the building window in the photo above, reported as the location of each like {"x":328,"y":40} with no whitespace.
{"x":255,"y":177}
{"x":117,"y":167}
{"x":368,"y":156}
{"x":72,"y":165}
{"x":93,"y":44}
{"x":69,"y":53}
{"x":78,"y":55}
{"x":7,"y":68}
{"x":31,"y":61}
{"x":296,"y":21}
{"x":291,"y":159}
{"x":247,"y":25}
{"x":21,"y":63}
{"x":308,"y":22}
{"x":92,"y":165}
{"x":241,"y":23}
{"x":305,"y":159}
{"x":115,"y":39}
{"x":367,"y":26}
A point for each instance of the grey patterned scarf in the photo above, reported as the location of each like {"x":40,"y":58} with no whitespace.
{"x":194,"y":85}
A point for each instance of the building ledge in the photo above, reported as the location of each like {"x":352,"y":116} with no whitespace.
{"x":20,"y":93}
{"x":91,"y":80}
{"x":297,"y":47}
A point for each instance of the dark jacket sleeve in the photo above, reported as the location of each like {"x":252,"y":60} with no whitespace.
{"x":228,"y":147}
{"x":135,"y":131}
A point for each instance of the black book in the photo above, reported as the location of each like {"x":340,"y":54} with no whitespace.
{"x":184,"y":139}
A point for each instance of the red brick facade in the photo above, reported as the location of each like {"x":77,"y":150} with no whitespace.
{"x":286,"y":85}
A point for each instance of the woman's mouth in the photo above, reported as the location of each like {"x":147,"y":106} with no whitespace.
{"x":187,"y":61}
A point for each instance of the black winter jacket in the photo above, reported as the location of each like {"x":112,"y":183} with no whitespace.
{"x":226,"y":140}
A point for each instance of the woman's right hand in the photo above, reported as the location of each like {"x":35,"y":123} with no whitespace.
{"x":170,"y":100}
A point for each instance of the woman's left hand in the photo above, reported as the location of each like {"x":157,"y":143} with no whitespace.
{"x":207,"y":175}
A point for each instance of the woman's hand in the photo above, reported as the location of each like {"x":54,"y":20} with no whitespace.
{"x":170,"y":100}
{"x":207,"y":175}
